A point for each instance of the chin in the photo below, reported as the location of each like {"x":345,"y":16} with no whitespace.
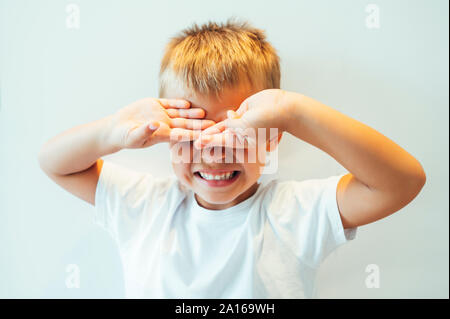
{"x":219,"y":199}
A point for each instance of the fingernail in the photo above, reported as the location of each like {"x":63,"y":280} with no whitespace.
{"x":231,"y":114}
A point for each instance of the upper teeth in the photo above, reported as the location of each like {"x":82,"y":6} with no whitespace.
{"x":216,"y":176}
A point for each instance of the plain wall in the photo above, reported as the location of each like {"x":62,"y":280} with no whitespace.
{"x":394,"y":79}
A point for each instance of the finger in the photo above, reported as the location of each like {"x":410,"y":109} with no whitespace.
{"x":247,"y":136}
{"x":225,"y":139}
{"x":242,"y":108}
{"x":142,"y":134}
{"x":231,"y":124}
{"x":191,"y":124}
{"x":215,"y":129}
{"x":194,"y":113}
{"x":183,"y":135}
{"x":153,"y":125}
{"x":176,"y":103}
{"x":232,"y":115}
{"x":162,"y":133}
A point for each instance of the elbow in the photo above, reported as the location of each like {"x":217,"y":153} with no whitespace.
{"x":41,"y":158}
{"x":421,"y":177}
{"x":417,"y":181}
{"x":409,"y":189}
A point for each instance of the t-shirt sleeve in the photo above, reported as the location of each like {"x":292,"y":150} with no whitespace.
{"x":306,"y":217}
{"x":124,"y":199}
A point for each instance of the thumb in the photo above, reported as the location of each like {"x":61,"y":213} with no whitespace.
{"x":232,"y":115}
{"x":153,"y":126}
{"x":144,"y":132}
{"x":242,"y":108}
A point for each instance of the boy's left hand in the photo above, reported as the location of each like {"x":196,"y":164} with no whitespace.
{"x":266,"y":109}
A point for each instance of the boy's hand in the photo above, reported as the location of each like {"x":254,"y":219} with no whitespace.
{"x":266,"y":109}
{"x":150,"y":121}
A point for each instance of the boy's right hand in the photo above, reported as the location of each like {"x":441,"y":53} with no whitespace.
{"x":149,"y":121}
{"x":73,"y":158}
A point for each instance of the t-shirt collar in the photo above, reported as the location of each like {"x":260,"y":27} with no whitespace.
{"x":208,"y":214}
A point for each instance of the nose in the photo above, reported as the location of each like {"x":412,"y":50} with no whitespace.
{"x":217,"y":154}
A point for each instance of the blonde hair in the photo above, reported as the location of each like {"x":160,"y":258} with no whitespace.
{"x":208,"y":58}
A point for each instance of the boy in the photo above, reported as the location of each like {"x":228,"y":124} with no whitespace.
{"x":214,"y":231}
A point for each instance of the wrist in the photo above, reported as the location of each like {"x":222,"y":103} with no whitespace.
{"x":291,"y":105}
{"x":106,"y":140}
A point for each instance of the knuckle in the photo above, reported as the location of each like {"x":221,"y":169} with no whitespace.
{"x":172,"y":112}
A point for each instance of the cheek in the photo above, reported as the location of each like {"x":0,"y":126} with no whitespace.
{"x":252,"y":172}
{"x":254,"y":159}
{"x":183,"y":172}
{"x":181,"y":152}
{"x":253,"y":166}
{"x":255,"y":156}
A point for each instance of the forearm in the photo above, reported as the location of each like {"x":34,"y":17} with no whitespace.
{"x":76,"y":149}
{"x":372,"y":158}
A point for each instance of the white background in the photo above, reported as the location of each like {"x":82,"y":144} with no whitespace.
{"x":394,"y":79}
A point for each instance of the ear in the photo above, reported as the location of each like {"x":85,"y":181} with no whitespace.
{"x":273,"y":144}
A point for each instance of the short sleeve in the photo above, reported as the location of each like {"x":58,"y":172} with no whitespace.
{"x":306,"y":217}
{"x":126,"y":199}
{"x":340,"y":235}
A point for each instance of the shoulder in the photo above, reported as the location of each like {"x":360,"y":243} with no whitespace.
{"x":280,"y":193}
{"x":136,"y":185}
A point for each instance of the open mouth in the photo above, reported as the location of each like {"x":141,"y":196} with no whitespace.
{"x":219,"y":178}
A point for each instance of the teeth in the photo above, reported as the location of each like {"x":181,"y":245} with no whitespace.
{"x":216,"y":177}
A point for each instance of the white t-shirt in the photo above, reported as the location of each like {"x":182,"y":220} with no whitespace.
{"x":268,"y":246}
